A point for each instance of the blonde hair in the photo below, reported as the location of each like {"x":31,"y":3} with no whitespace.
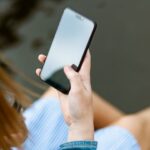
{"x":13,"y":131}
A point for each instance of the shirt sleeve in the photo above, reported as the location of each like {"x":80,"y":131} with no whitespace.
{"x":79,"y":145}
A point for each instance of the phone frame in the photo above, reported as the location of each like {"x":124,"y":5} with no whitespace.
{"x":58,"y":86}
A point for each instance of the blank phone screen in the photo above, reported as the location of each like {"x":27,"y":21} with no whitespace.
{"x":67,"y":48}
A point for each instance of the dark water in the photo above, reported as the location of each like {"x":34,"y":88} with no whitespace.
{"x":120,"y":49}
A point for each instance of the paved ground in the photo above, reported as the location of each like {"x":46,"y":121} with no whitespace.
{"x":120,"y":49}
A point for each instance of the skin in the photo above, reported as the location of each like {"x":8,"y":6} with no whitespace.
{"x":80,"y":118}
{"x":100,"y":106}
{"x":80,"y":126}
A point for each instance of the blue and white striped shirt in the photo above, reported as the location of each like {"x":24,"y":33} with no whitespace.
{"x":48,"y":130}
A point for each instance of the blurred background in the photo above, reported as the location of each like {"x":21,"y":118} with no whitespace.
{"x":120,"y":49}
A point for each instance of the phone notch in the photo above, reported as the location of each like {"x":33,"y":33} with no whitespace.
{"x":79,"y":17}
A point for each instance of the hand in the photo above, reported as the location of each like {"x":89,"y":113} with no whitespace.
{"x":77,"y":105}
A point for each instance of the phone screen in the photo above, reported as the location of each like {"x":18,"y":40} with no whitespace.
{"x":69,"y":47}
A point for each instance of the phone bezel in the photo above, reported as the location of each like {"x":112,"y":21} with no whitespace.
{"x":58,"y":86}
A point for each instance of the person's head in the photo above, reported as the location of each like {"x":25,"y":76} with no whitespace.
{"x":12,"y":127}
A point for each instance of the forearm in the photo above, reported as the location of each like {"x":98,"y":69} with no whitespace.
{"x":104,"y":115}
{"x":104,"y":112}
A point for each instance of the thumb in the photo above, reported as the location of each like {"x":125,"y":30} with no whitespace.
{"x":74,"y":78}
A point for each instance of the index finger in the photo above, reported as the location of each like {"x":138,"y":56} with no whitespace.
{"x":86,"y":67}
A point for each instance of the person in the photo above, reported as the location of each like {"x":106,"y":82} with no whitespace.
{"x":123,"y":131}
{"x":82,"y":111}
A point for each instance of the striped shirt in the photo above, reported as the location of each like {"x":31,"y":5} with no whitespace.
{"x":48,"y":130}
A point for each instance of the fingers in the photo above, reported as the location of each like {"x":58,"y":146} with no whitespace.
{"x":41,"y":58}
{"x":86,"y":66}
{"x":74,"y":78}
{"x":85,"y":71}
{"x":38,"y":71}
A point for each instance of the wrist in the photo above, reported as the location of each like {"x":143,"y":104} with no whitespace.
{"x":81,"y":131}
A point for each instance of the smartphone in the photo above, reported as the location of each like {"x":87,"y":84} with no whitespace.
{"x":69,"y":47}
